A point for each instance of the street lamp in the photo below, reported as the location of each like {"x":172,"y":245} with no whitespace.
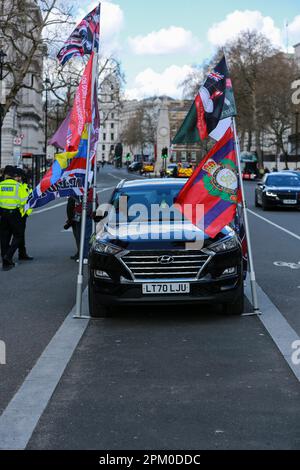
{"x":57,"y":114}
{"x":47,"y":82}
{"x":2,"y":58}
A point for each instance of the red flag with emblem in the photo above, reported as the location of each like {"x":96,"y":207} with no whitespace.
{"x":81,"y":113}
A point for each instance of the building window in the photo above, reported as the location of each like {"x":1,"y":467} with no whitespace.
{"x":112,"y":136}
{"x":112,"y":115}
{"x":112,"y":125}
{"x":103,"y":148}
{"x":112,"y":147}
{"x":104,"y":125}
{"x":104,"y":136}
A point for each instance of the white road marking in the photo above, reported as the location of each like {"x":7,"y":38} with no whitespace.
{"x":106,"y":189}
{"x":115,"y":177}
{"x":278,"y":328}
{"x":124,"y":177}
{"x":22,"y":414}
{"x":284,"y":264}
{"x":49,"y":208}
{"x":275,"y":225}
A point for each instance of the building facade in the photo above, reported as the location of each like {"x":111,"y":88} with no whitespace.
{"x":23,"y":126}
{"x":109,"y":105}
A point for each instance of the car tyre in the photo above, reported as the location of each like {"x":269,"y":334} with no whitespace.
{"x":265,"y":206}
{"x":97,"y":310}
{"x":236,"y":307}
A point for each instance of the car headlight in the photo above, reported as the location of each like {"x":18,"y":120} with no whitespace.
{"x":271,"y":194}
{"x":102,"y":247}
{"x":226,"y":245}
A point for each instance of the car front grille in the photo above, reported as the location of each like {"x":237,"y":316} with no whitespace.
{"x":148,"y":266}
{"x":292,"y":196}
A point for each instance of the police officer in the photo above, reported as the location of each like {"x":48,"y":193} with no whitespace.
{"x":20,"y":177}
{"x":13,"y":197}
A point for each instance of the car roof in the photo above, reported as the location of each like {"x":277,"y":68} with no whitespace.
{"x":282,"y":173}
{"x":152,"y":182}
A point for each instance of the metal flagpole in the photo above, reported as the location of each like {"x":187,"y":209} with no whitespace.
{"x":95,"y":191}
{"x":247,"y":229}
{"x":78,"y":313}
{"x":95,"y":158}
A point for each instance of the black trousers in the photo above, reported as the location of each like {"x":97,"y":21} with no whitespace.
{"x":11,"y":225}
{"x":22,"y":247}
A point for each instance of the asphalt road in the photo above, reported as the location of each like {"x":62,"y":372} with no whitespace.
{"x":168,"y":379}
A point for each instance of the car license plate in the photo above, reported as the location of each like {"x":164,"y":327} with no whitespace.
{"x":289,"y":201}
{"x":167,"y":288}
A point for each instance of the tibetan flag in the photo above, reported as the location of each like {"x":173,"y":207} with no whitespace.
{"x":81,"y":113}
{"x":215,"y":185}
{"x":211,"y":112}
{"x":65,"y":178}
{"x":84,"y":39}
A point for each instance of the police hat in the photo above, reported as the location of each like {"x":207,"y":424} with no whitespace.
{"x":9,"y":170}
{"x":19,"y":172}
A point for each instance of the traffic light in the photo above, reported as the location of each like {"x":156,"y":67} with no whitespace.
{"x":164,"y":152}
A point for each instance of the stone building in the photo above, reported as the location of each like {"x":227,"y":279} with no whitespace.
{"x":110,"y":110}
{"x":23,"y":127}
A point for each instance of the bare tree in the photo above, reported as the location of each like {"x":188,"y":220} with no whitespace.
{"x":276,"y":101}
{"x":141,"y":128}
{"x":247,"y":57}
{"x":26,"y":27}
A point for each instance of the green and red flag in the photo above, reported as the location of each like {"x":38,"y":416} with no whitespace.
{"x":212,"y":109}
{"x":215,"y":185}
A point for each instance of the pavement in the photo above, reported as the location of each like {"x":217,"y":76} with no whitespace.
{"x":144,"y":379}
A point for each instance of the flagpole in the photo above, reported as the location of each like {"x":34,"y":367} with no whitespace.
{"x":79,"y":287}
{"x":247,"y":229}
{"x":95,"y":158}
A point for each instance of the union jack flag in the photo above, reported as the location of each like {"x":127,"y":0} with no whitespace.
{"x":216,"y":76}
{"x":84,"y":39}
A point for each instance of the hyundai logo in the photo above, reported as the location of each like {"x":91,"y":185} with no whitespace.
{"x":166,"y":259}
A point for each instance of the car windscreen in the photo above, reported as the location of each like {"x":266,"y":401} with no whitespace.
{"x":147,"y":203}
{"x":283,"y":180}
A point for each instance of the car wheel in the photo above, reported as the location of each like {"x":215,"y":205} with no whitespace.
{"x":96,"y":310}
{"x":264,"y":205}
{"x":236,"y":307}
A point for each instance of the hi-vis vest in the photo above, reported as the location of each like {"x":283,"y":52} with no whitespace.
{"x":13,"y":195}
{"x":28,"y":192}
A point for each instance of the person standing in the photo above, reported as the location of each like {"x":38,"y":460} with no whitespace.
{"x":20,"y":178}
{"x":13,"y":197}
{"x":73,"y":221}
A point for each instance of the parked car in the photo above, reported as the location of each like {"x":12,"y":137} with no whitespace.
{"x":280,"y":189}
{"x":249,"y":175}
{"x":135,"y":166}
{"x":171,"y":168}
{"x":166,"y":265}
{"x":185,"y":170}
{"x":147,"y":168}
